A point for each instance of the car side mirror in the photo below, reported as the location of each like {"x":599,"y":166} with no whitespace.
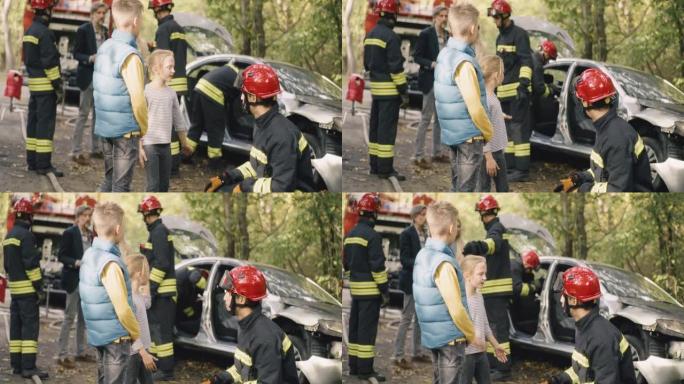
{"x":548,"y":78}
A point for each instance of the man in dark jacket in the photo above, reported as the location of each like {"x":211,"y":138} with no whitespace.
{"x":411,"y":241}
{"x":89,"y":37}
{"x":75,"y":240}
{"x":430,"y":41}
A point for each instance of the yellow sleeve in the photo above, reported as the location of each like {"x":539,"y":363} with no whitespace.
{"x":446,"y":280}
{"x":133,"y":75}
{"x":115,"y":285}
{"x":466,"y":80}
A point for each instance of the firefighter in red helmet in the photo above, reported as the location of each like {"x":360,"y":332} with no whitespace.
{"x":528,"y":281}
{"x":280,"y":159}
{"x":602,"y":354}
{"x":513,"y":46}
{"x":171,"y":36}
{"x":160,"y":255}
{"x":383,"y":59}
{"x":540,"y":90}
{"x":498,"y":288}
{"x":264,"y":352}
{"x":22,"y":263}
{"x":41,"y":59}
{"x":363,"y":261}
{"x":618,"y":161}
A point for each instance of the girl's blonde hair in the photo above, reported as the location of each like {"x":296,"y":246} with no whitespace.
{"x":469,"y":262}
{"x":155,"y":59}
{"x":491,"y":65}
{"x":139,"y":270}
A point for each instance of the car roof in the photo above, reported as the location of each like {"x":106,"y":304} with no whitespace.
{"x":253,"y":59}
{"x":587,"y":263}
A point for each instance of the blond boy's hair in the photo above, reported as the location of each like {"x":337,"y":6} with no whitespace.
{"x":491,"y":65}
{"x":470,"y":262}
{"x":440,"y":216}
{"x":156,"y":58}
{"x":106,"y":217}
{"x":125,"y":11}
{"x":139,"y":269}
{"x":462,"y":16}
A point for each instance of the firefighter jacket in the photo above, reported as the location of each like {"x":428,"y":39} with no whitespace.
{"x":523,"y":281}
{"x":41,"y":58}
{"x":280,"y":159}
{"x":190,"y":283}
{"x":601,"y":354}
{"x":221,"y":84}
{"x":264,"y":353}
{"x":495,"y":249}
{"x":618,"y":161}
{"x":364,"y":261}
{"x":513,"y":46}
{"x":382,"y":57}
{"x":171,"y":36}
{"x":160,"y":255}
{"x":22,"y":261}
{"x":539,"y":88}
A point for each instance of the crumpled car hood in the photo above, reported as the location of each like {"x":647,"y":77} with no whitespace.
{"x":534,"y":24}
{"x":318,"y":110}
{"x":305,"y":312}
{"x":185,"y":19}
{"x":660,"y":114}
{"x":513,"y":221}
{"x":647,"y":313}
{"x":177,"y":223}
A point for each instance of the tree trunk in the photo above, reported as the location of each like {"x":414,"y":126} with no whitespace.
{"x":259,"y":31}
{"x":9,"y":56}
{"x":245,"y":20}
{"x":580,"y":227}
{"x":346,"y":31}
{"x":587,"y":30}
{"x":228,"y":224}
{"x":242,"y":226}
{"x":567,"y":225}
{"x":600,"y":28}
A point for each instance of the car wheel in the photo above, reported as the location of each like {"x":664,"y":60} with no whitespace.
{"x":638,"y":353}
{"x":315,"y":145}
{"x":656,"y":154}
{"x":301,"y":353}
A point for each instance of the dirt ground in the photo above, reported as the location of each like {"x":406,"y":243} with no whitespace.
{"x":546,"y":168}
{"x":189,"y":368}
{"x":15,"y":177}
{"x":527,"y":367}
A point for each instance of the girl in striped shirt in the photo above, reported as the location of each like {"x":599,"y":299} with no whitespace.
{"x":476,"y":365}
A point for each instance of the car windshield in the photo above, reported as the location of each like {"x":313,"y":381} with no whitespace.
{"x":648,"y":87}
{"x":521,"y":240}
{"x":291,"y":285}
{"x":306,"y":83}
{"x":631,"y":285}
{"x":190,"y":245}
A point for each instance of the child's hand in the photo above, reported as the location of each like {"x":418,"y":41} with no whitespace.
{"x":507,"y":117}
{"x":187,"y":151}
{"x":491,"y":165}
{"x":478,"y":343}
{"x":142,"y":158}
{"x":500,"y":353}
{"x":148,"y":360}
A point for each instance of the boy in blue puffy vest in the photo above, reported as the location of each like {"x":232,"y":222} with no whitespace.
{"x":120,"y":106}
{"x":440,"y":295}
{"x":460,"y":98}
{"x":106,"y":296}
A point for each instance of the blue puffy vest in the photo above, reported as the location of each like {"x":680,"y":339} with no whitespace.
{"x":112,"y":101}
{"x":101,"y":321}
{"x":454,"y":119}
{"x":436,"y":325}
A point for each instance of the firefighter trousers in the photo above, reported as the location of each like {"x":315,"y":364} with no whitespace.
{"x":24,"y":325}
{"x":209,"y":116}
{"x":175,"y":145}
{"x":497,"y":314}
{"x":382,"y":134}
{"x":161,"y":313}
{"x":519,"y":131}
{"x":363,"y":328}
{"x":40,"y":128}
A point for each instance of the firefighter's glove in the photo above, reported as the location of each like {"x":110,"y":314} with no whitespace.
{"x":385,"y":300}
{"x":41,"y":296}
{"x":523,"y":92}
{"x":222,"y":377}
{"x":537,"y":284}
{"x":59,"y":90}
{"x":566,"y":185}
{"x":404,"y":100}
{"x":471,"y":248}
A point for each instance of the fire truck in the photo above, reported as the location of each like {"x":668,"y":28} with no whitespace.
{"x":393,"y":217}
{"x":413,"y":17}
{"x":52,"y":214}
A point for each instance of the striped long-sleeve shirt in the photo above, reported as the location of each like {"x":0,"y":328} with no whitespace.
{"x":480,"y":322}
{"x":163,"y":113}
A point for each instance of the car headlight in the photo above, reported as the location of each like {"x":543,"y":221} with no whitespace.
{"x":330,"y":327}
{"x":336,"y":350}
{"x":670,"y":327}
{"x":328,"y":125}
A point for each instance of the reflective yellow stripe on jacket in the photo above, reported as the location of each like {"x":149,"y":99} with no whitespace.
{"x":40,"y":84}
{"x":167,"y":286}
{"x":30,"y":39}
{"x":210,"y":90}
{"x":247,"y":170}
{"x":262,"y":185}
{"x":258,"y":155}
{"x":356,"y":240}
{"x":180,"y":84}
{"x":21,"y":287}
{"x":498,"y":286}
{"x":383,"y":88}
{"x":376,"y":42}
{"x":364,"y":288}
